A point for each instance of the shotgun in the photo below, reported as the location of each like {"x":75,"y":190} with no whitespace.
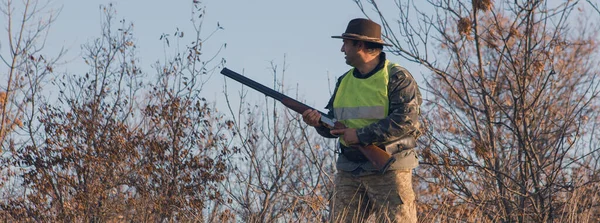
{"x":377,"y":156}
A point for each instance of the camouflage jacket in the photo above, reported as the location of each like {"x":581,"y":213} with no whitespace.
{"x":402,"y":121}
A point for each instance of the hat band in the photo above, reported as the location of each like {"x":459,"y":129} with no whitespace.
{"x":352,"y":35}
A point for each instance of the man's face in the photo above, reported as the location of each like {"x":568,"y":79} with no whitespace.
{"x":351,"y":52}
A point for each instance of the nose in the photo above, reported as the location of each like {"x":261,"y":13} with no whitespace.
{"x":342,"y":49}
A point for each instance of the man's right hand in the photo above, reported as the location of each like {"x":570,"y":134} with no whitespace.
{"x":312,"y":117}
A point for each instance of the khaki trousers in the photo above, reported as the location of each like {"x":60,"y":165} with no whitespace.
{"x":379,"y":198}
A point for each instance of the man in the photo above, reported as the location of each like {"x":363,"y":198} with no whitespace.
{"x":379,"y":102}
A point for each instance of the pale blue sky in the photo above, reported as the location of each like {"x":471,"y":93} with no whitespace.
{"x":256,"y":32}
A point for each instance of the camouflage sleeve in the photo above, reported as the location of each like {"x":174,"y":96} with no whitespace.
{"x":404,"y":110}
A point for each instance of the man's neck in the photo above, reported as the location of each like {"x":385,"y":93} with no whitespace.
{"x":368,"y":66}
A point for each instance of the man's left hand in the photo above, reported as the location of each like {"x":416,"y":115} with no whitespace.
{"x":348,"y":134}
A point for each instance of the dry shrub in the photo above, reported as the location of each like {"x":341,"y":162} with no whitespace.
{"x":464,"y":27}
{"x":483,"y":5}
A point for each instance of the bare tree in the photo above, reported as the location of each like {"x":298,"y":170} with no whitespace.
{"x":512,"y":107}
{"x":283,"y":171}
{"x":27,"y":66}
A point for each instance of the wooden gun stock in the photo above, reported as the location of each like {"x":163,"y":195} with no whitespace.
{"x":377,"y":156}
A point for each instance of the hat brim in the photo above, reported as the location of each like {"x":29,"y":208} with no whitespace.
{"x":361,"y":39}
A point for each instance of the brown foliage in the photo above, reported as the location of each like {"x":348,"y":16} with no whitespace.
{"x":483,"y":5}
{"x":105,"y":156}
{"x":464,"y":26}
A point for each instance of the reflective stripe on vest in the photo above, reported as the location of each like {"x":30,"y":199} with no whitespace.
{"x":360,"y":102}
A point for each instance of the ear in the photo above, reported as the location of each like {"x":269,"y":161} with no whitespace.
{"x":360,"y":45}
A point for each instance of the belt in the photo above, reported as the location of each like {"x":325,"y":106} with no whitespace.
{"x":352,"y":154}
{"x":355,"y":155}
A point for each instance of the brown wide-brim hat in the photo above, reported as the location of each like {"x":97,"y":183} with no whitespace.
{"x":363,"y":30}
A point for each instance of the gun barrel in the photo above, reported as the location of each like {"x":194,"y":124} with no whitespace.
{"x":253,"y":84}
{"x":285,"y":100}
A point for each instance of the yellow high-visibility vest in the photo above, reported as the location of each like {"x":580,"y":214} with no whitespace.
{"x":360,"y":102}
